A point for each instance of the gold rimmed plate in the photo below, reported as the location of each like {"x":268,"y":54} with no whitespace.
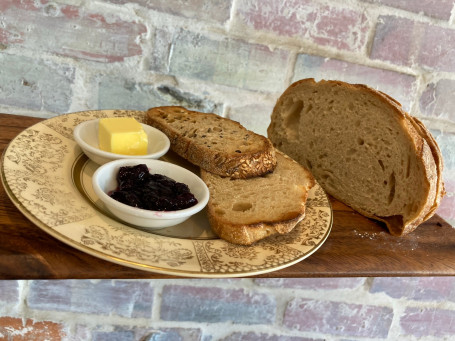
{"x":48,"y":178}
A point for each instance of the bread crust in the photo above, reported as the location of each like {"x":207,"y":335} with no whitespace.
{"x":437,"y":157}
{"x":425,"y":146}
{"x":436,"y":153}
{"x":247,"y":234}
{"x":428,"y":151}
{"x":234,"y":165}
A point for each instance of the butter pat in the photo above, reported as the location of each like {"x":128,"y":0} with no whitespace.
{"x":122,"y":135}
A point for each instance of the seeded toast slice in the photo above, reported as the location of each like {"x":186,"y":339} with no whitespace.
{"x":215,"y":144}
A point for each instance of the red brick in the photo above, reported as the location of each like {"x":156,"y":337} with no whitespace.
{"x":342,"y":28}
{"x":116,"y":332}
{"x":449,"y":182}
{"x":436,"y":48}
{"x":339,"y":27}
{"x":446,"y":142}
{"x":9,"y":291}
{"x":312,"y":283}
{"x":446,"y":210}
{"x":208,"y":10}
{"x":270,"y":15}
{"x":389,"y":31}
{"x":336,"y":318}
{"x":50,"y":295}
{"x":433,"y":8}
{"x":133,"y":299}
{"x":416,"y":288}
{"x":16,"y":329}
{"x":406,"y":42}
{"x":212,"y":304}
{"x":264,"y":337}
{"x":428,"y":322}
{"x":117,"y":335}
{"x":157,"y":334}
{"x":80,"y":33}
{"x":437,"y":100}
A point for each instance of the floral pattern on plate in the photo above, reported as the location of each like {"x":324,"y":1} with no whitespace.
{"x":43,"y":171}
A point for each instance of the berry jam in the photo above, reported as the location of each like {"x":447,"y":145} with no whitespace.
{"x":139,"y":188}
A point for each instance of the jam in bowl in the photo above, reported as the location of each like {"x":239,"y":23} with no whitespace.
{"x":149,"y":193}
{"x":137,"y":187}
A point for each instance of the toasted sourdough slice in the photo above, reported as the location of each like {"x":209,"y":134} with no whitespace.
{"x":243,"y":211}
{"x":216,"y":144}
{"x":363,"y":149}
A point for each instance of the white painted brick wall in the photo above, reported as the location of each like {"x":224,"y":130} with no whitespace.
{"x":232,"y":57}
{"x":309,"y":309}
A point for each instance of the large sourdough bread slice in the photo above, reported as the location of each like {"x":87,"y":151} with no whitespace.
{"x":214,"y":143}
{"x":243,"y":211}
{"x":363,"y":149}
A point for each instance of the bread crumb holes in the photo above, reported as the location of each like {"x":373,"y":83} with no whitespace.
{"x":242,"y":206}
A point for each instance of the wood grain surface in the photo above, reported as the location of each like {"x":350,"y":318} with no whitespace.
{"x":356,"y":246}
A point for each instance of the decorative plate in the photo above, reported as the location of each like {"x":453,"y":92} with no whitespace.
{"x":48,"y":178}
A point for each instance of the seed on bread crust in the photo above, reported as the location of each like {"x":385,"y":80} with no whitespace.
{"x":214,"y":143}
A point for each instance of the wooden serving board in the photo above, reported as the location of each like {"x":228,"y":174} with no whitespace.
{"x":356,"y":246}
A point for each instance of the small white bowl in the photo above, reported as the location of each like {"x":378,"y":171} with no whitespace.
{"x":86,"y":136}
{"x":104,"y":180}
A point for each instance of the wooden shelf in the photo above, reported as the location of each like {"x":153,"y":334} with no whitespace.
{"x":356,"y":246}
